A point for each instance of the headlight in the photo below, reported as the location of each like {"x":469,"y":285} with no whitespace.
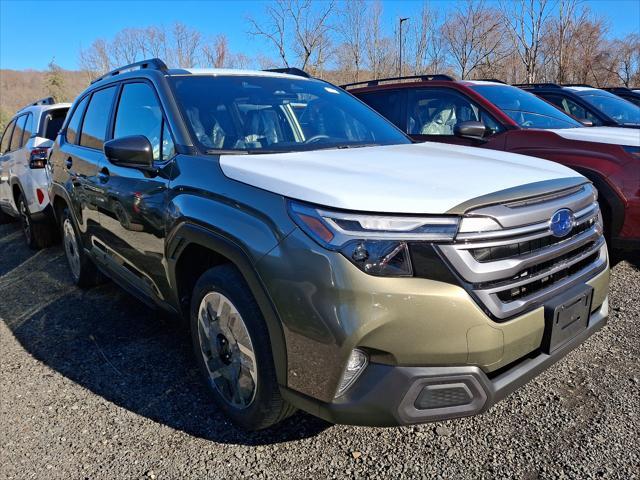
{"x":377,"y":244}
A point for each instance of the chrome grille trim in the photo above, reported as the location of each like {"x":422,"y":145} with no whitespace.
{"x":494,"y":281}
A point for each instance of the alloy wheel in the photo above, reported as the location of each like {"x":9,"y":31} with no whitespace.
{"x":71,"y":247}
{"x":227,"y":350}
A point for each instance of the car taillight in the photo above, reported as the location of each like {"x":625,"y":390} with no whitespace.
{"x":38,"y":157}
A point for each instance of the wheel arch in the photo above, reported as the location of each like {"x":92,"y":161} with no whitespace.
{"x":610,"y":197}
{"x":188,"y":242}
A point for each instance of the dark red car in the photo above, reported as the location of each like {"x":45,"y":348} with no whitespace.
{"x":490,"y":114}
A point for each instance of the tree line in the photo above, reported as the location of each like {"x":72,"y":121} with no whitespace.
{"x":514,"y":41}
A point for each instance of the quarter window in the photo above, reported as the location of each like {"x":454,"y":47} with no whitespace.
{"x":28,"y":129}
{"x":17,"y":133}
{"x":436,"y":111}
{"x":139,"y":113}
{"x":6,"y":137}
{"x":94,"y":126}
{"x":73,"y":129}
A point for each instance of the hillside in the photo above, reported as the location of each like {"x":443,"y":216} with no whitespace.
{"x":18,"y":88}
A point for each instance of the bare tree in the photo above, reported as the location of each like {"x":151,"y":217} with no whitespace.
{"x":274,"y":30}
{"x":186,"y":43}
{"x":427,"y":43}
{"x":351,"y":30}
{"x":154,"y":43}
{"x":311,"y":31}
{"x":624,"y":59}
{"x":96,"y":59}
{"x":378,"y":47}
{"x":474,"y":36}
{"x":526,"y":20}
{"x":216,"y":52}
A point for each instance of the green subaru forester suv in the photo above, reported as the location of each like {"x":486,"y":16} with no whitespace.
{"x":321,"y":260}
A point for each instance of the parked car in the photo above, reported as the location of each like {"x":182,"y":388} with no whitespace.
{"x":323,"y":261}
{"x":598,"y":107}
{"x":493,"y":115}
{"x":631,"y":95}
{"x":24,"y":151}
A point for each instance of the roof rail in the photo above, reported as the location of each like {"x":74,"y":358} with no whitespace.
{"x":577,"y":85}
{"x":289,"y":70}
{"x":151,"y":63}
{"x":617,"y":89}
{"x":41,"y":101}
{"x":422,"y":78}
{"x":495,"y":80}
{"x":537,"y":85}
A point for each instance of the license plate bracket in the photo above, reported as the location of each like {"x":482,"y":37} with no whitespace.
{"x":565,"y":316}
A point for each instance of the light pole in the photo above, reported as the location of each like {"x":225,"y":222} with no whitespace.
{"x":402,"y":20}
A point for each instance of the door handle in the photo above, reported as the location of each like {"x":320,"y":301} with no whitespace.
{"x":69,"y":163}
{"x":103,"y":175}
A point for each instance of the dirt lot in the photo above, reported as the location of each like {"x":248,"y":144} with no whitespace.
{"x":94,"y":385}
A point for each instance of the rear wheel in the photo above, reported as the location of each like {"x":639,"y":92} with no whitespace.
{"x":232,"y":348}
{"x":83,"y":271}
{"x":37,"y":234}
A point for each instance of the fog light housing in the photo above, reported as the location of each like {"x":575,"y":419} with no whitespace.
{"x":443,"y":396}
{"x":355,"y":366}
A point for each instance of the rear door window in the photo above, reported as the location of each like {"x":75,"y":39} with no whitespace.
{"x":16,"y":139}
{"x":73,"y":129}
{"x":94,"y":125}
{"x":6,"y":137}
{"x":388,"y":103}
{"x":572,"y":108}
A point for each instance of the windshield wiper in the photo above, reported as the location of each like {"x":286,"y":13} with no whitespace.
{"x":357,"y":145}
{"x":216,"y":151}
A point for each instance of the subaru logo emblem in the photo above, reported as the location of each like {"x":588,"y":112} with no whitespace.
{"x":561,"y":222}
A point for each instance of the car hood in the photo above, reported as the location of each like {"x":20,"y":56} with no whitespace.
{"x":611,"y":135}
{"x":427,"y":177}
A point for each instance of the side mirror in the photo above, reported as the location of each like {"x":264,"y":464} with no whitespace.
{"x":134,"y":151}
{"x":585,"y":122}
{"x":472,"y":130}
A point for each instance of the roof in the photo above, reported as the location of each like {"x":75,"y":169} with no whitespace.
{"x":580,"y":89}
{"x":223,"y":72}
{"x":42,"y":108}
{"x":482,"y":82}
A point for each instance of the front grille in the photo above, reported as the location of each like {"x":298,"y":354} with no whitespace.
{"x":517,"y":268}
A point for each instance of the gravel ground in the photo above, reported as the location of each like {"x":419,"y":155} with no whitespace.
{"x":94,"y":385}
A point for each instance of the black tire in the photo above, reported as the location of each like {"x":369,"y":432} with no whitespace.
{"x":267,"y":407}
{"x":4,"y":218}
{"x":84,"y":273}
{"x":38,"y":235}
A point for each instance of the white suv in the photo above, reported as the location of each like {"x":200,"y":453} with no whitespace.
{"x":24,"y":154}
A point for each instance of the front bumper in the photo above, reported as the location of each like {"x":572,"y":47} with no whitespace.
{"x":387,"y":395}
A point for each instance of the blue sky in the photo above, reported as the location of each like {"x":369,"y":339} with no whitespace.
{"x":34,"y":32}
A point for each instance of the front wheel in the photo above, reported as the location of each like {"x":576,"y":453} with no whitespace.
{"x":83,"y":271}
{"x":232,"y":348}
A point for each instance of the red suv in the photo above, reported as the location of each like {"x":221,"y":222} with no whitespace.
{"x":494,"y":115}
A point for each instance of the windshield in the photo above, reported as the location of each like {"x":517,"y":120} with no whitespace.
{"x":525,"y":108}
{"x":277,"y":114}
{"x":620,"y":110}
